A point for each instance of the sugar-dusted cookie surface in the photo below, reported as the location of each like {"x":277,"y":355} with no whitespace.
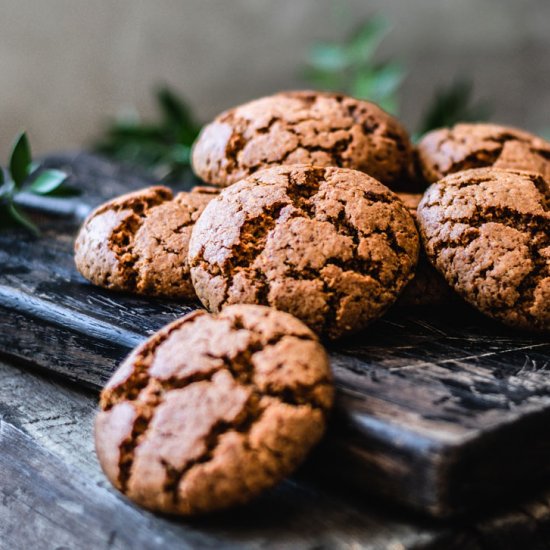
{"x":332,"y":246}
{"x":324,"y":129}
{"x":464,"y":146}
{"x":488,"y":233}
{"x":213,"y":409}
{"x":138,"y":242}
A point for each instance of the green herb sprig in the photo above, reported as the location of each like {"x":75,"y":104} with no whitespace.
{"x":454,"y":104}
{"x":163,"y":146}
{"x":22,"y":177}
{"x":350,"y":67}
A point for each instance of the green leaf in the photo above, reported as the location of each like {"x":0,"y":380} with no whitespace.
{"x":329,"y":57}
{"x":367,"y":39}
{"x":379,"y":85}
{"x":20,"y":160}
{"x":47,"y":182}
{"x":7,"y":190}
{"x":323,"y":79}
{"x":389,"y":104}
{"x":179,"y":154}
{"x":165,"y":142}
{"x":453,"y":104}
{"x":22,"y":219}
{"x":177,"y":115}
{"x":387,"y":79}
{"x":349,"y":67}
{"x":138,"y":132}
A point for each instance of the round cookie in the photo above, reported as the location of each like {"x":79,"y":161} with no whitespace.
{"x":138,"y":242}
{"x":427,"y":288}
{"x":212,"y":410}
{"x":332,"y":246}
{"x":324,"y":129}
{"x":487,"y":231}
{"x":464,"y":146}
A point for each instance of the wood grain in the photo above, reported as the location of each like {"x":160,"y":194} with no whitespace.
{"x":427,"y":398}
{"x":49,"y":476}
{"x":47,"y":432}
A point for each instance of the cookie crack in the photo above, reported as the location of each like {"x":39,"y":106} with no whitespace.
{"x":250,"y":414}
{"x":241,"y":368}
{"x":535,"y":225}
{"x":301,"y":193}
{"x":122,"y":238}
{"x":335,"y":151}
{"x":252,"y":239}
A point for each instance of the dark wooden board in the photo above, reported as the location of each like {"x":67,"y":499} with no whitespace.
{"x":50,"y":476}
{"x":47,"y":434}
{"x":438,"y":409}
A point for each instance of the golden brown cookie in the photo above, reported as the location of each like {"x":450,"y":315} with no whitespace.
{"x":332,"y":246}
{"x":487,"y":231}
{"x":138,"y":242}
{"x":464,"y":146}
{"x":427,"y":288}
{"x":324,"y":129}
{"x":212,"y":410}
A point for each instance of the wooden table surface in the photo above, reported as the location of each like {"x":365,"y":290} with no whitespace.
{"x":53,"y":494}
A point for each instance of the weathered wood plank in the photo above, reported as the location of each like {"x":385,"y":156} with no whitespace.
{"x":46,"y":504}
{"x":426,"y":400}
{"x":49,"y":427}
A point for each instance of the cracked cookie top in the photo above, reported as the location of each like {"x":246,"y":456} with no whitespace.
{"x":138,"y":242}
{"x":332,"y":246}
{"x":304,"y":127}
{"x":465,"y":146}
{"x":212,"y":410}
{"x":488,"y":232}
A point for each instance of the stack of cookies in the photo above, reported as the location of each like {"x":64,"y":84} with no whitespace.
{"x":310,"y":229}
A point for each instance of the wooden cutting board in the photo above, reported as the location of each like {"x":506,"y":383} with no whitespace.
{"x":438,"y":409}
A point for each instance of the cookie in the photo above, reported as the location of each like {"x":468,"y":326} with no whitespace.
{"x":324,"y":129}
{"x":466,"y":146}
{"x":212,"y":410}
{"x":427,"y":288}
{"x":332,"y":246}
{"x":487,"y":231}
{"x":138,"y":242}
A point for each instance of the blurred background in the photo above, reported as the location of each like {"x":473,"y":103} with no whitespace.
{"x":69,"y":67}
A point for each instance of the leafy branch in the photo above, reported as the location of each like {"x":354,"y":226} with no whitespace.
{"x":163,"y":146}
{"x":22,"y":176}
{"x":454,"y":104}
{"x":350,"y":67}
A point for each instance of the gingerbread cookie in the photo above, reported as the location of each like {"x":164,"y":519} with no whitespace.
{"x":464,"y":146}
{"x":332,"y":246}
{"x":138,"y":242}
{"x":324,"y":129}
{"x":488,"y":233}
{"x":427,"y":288}
{"x":212,"y":410}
